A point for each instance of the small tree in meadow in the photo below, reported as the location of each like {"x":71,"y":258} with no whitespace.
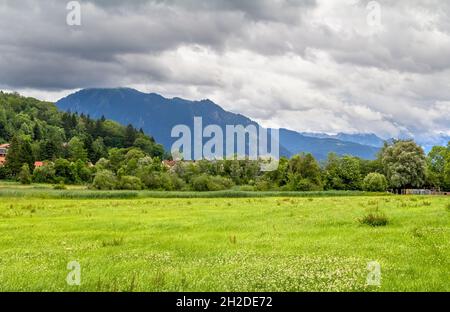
{"x":44,"y":174}
{"x":375,"y":182}
{"x":25,"y":175}
{"x":105,"y":180}
{"x":129,"y":183}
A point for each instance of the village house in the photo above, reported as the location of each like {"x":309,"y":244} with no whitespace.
{"x":3,"y":151}
{"x":38,"y":164}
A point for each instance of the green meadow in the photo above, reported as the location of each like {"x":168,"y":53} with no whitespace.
{"x":286,"y":243}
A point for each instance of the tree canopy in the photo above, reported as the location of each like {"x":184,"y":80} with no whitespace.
{"x":404,"y":164}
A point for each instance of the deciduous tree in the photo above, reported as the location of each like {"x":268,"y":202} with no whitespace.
{"x":404,"y":164}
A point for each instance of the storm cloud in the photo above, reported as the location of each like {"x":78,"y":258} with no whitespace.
{"x":321,"y":66}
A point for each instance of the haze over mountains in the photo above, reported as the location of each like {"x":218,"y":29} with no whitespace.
{"x":157,"y":115}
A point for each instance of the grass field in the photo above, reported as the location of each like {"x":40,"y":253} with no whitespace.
{"x":223,"y":244}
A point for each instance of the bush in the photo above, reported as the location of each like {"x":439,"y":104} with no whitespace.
{"x":246,"y":188}
{"x":44,"y":174}
{"x":104,"y":180}
{"x":162,"y":181}
{"x":200,"y":183}
{"x":81,"y":172}
{"x":263,"y":186}
{"x":63,"y":171}
{"x":102,"y":164}
{"x":205,"y":183}
{"x":170,"y":182}
{"x":25,"y":175}
{"x":130,"y":183}
{"x":150,"y":179}
{"x":375,"y":218}
{"x":4,"y":172}
{"x":306,"y":185}
{"x":60,"y":186}
{"x":375,"y":182}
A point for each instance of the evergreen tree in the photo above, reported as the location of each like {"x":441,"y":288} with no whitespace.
{"x":49,"y":150}
{"x":3,"y":133}
{"x":37,"y":134}
{"x":130,"y":136}
{"x":20,"y":153}
{"x":88,"y":142}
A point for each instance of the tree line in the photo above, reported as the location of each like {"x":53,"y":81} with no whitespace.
{"x":77,"y":149}
{"x":38,"y":131}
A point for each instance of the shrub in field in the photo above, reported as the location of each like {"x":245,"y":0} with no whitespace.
{"x":162,"y":181}
{"x":60,"y":186}
{"x":44,"y":174}
{"x":113,"y":242}
{"x":304,"y":174}
{"x":105,"y":180}
{"x":151,"y":180}
{"x":306,"y":185}
{"x":63,"y":171}
{"x":375,"y":182}
{"x":81,"y":172}
{"x":130,"y":183}
{"x":4,"y":172}
{"x":342,"y":173}
{"x":205,"y":183}
{"x":25,"y":175}
{"x":170,"y":182}
{"x":102,"y":164}
{"x":374,"y":218}
{"x":263,"y":186}
{"x":201,"y":183}
{"x":246,"y":188}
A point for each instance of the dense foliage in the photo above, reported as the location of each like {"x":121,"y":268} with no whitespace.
{"x":375,"y":182}
{"x":37,"y":131}
{"x":76,"y":149}
{"x":404,"y":164}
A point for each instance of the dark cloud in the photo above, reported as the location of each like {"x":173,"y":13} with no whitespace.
{"x":284,"y":62}
{"x":281,"y":10}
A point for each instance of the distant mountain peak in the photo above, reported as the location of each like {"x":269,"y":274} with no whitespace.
{"x":157,"y":115}
{"x":369,"y":139}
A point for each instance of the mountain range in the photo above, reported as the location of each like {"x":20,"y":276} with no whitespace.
{"x":368,"y":139}
{"x":157,"y":115}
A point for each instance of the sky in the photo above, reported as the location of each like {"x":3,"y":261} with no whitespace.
{"x":329,"y":66}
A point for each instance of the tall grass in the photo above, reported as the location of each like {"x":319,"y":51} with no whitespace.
{"x":93,"y":194}
{"x":375,"y":218}
{"x":67,"y":194}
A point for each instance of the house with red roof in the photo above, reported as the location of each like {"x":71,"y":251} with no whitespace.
{"x":3,"y":151}
{"x":38,"y":164}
